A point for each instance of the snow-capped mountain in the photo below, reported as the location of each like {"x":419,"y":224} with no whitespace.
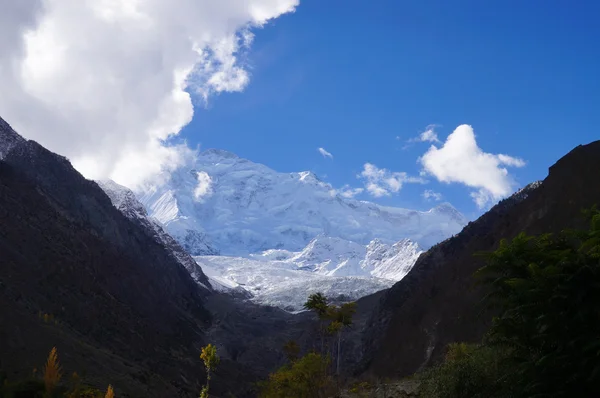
{"x":330,"y":256}
{"x":276,"y":237}
{"x":232,"y":206}
{"x":281,"y":236}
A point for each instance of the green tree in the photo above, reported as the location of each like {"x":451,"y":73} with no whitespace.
{"x":341,"y":317}
{"x":546,"y":290}
{"x":318,"y":303}
{"x":211,"y":360}
{"x":307,"y":377}
{"x":469,"y":370}
{"x":332,"y":319}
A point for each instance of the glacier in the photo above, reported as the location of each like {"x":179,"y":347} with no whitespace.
{"x":342,"y":270}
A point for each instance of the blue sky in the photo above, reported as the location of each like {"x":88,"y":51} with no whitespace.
{"x":361,"y":78}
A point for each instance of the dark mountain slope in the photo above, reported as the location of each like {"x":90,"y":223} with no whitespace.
{"x":127,"y":297}
{"x":437,"y":302}
{"x":128,"y":312}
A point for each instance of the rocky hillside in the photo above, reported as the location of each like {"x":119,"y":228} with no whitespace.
{"x":437,"y":302}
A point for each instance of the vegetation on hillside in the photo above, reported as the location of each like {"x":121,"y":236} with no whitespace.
{"x":545,"y":340}
{"x":49,"y":385}
{"x":211,"y":360}
{"x":314,"y":375}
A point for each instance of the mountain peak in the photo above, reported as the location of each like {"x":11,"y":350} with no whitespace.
{"x":8,"y":138}
{"x":219,"y":153}
{"x":122,"y":198}
{"x":449,"y":210}
{"x":308,"y":176}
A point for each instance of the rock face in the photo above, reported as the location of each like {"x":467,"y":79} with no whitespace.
{"x":437,"y":302}
{"x":125,"y":201}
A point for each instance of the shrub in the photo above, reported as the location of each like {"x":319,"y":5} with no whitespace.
{"x":307,"y":377}
{"x":469,"y":371}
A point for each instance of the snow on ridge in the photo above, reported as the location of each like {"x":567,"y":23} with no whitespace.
{"x":282,"y":284}
{"x":9,"y":138}
{"x":342,"y":270}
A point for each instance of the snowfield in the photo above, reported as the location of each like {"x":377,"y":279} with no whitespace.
{"x":340,"y":269}
{"x":283,"y":285}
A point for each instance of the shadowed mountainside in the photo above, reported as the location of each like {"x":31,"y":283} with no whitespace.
{"x":127,"y":311}
{"x":438,"y":302}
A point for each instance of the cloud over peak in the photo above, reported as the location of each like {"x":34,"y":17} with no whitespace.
{"x":107,"y":82}
{"x":460,"y":160}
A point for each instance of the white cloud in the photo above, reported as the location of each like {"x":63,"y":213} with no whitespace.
{"x":204,"y":187}
{"x":325,"y":154}
{"x":348,"y":192}
{"x":105,"y":82}
{"x":460,"y":160}
{"x":428,"y":194}
{"x":429,"y":135}
{"x":510,"y":161}
{"x":382,"y":182}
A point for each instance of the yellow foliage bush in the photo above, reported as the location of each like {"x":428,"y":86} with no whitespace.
{"x":52,"y":371}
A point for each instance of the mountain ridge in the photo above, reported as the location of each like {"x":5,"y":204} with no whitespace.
{"x":437,"y":303}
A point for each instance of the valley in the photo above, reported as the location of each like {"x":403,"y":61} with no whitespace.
{"x":98,"y":258}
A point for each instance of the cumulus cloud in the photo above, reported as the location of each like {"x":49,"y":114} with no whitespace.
{"x":460,"y":160}
{"x":106,"y":82}
{"x":382,"y":182}
{"x":325,"y":154}
{"x":429,"y":195}
{"x":204,"y":187}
